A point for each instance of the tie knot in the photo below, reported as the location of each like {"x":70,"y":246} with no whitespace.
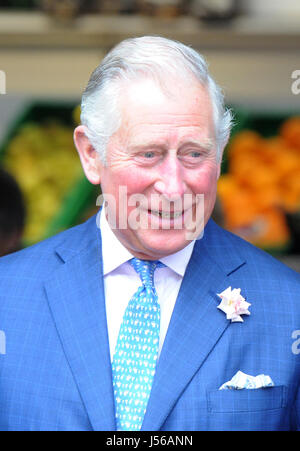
{"x":145,"y":269}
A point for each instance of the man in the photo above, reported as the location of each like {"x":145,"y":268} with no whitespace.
{"x":142,"y":320}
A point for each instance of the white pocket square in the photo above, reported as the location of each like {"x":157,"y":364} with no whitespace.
{"x":241,"y":380}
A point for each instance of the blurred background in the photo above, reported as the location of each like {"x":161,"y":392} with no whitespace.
{"x":48,"y":48}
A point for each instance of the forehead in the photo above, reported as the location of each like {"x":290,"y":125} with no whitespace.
{"x":147,"y":109}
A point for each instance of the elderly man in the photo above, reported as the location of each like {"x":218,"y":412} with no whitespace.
{"x":150,"y":316}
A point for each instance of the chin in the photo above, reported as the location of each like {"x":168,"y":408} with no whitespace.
{"x":163,"y":243}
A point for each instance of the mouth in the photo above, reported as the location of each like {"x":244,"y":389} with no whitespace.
{"x":166,"y":214}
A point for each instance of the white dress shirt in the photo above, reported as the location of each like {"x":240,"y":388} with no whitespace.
{"x":121,"y":281}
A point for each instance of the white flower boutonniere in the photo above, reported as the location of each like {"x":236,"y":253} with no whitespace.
{"x":233,"y":304}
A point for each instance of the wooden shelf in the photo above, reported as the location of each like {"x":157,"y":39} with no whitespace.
{"x":252,"y":59}
{"x":39,"y":31}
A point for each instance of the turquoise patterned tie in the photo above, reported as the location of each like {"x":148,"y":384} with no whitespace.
{"x":134,"y":361}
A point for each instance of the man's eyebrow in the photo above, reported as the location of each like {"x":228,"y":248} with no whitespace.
{"x":150,"y":145}
{"x":206,"y":143}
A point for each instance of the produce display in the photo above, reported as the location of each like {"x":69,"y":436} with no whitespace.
{"x":44,"y":161}
{"x":262,"y":185}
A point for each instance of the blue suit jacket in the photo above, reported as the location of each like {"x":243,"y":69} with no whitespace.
{"x":56,"y":372}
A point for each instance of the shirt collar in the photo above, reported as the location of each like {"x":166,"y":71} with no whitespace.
{"x":114,"y":254}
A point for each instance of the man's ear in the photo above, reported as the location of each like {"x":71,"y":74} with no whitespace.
{"x":89,"y":157}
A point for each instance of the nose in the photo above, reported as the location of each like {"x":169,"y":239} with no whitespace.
{"x":170,"y":183}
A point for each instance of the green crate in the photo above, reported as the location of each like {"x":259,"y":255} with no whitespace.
{"x":39,"y":112}
{"x":82,"y":196}
{"x":240,"y":120}
{"x":267,"y":123}
{"x":75,"y":208}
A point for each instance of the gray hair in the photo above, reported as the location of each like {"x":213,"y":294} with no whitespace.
{"x":151,"y":56}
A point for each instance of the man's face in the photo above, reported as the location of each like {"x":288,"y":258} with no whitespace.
{"x":164,"y":153}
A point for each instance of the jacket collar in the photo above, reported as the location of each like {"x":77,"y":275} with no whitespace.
{"x":75,"y":295}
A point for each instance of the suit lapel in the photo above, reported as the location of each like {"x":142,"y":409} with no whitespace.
{"x":76,"y":299}
{"x":195,"y":328}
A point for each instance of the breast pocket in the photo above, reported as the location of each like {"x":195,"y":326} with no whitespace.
{"x":252,"y":409}
{"x":246,"y":400}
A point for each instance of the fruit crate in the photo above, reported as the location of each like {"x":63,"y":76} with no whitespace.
{"x":45,"y":120}
{"x":268,"y":184}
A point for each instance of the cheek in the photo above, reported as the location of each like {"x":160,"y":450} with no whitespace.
{"x":131,"y":178}
{"x":136,"y":179}
{"x":206,"y":180}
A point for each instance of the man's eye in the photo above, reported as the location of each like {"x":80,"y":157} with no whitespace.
{"x":195,"y":154}
{"x":149,"y":154}
{"x":147,"y":157}
{"x":191,"y":157}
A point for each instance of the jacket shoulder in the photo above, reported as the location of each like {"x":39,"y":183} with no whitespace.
{"x":226,"y":243}
{"x":33,"y":260}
